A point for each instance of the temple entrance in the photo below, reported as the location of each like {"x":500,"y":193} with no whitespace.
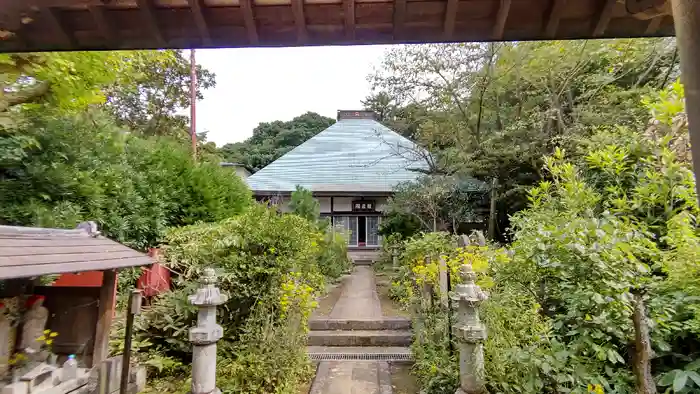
{"x":362,"y":231}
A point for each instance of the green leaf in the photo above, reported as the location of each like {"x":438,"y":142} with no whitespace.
{"x":680,"y":380}
{"x":668,"y":378}
{"x":693,"y":365}
{"x":694,"y":376}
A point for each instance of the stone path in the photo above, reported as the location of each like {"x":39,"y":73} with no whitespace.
{"x":352,"y":377}
{"x":358,"y":301}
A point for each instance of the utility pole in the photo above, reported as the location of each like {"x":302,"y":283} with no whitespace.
{"x":193,"y":103}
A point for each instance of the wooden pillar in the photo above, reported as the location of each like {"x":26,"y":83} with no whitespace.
{"x":105,"y":315}
{"x":686,"y":15}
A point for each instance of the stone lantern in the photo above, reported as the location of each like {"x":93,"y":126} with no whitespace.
{"x":470,"y":333}
{"x":205,"y":335}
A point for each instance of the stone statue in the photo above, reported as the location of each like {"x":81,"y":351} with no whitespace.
{"x":34,"y":323}
{"x":5,"y":347}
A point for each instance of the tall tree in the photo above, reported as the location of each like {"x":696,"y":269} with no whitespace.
{"x":494,"y":110}
{"x":152,"y":87}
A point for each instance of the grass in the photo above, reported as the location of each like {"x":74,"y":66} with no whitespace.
{"x":390,"y":307}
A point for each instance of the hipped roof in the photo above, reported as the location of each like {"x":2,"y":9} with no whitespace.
{"x":353,"y":155}
{"x":31,"y":251}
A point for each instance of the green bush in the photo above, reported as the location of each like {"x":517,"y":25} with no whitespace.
{"x":267,"y":264}
{"x":269,"y":357}
{"x":85,"y":168}
{"x":333,"y":260}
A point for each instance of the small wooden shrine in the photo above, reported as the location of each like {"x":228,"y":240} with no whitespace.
{"x":42,"y":325}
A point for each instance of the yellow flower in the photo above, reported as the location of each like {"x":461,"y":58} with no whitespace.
{"x":41,"y":338}
{"x":53,"y":334}
{"x":49,"y":341}
{"x":47,"y":331}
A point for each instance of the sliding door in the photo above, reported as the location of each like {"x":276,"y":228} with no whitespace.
{"x":373,"y":231}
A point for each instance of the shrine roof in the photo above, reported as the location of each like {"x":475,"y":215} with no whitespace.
{"x":352,"y":155}
{"x":32,"y":251}
{"x":44,"y":25}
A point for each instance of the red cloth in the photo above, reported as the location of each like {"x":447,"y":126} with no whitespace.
{"x":156,"y":279}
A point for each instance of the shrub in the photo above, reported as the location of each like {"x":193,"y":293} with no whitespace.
{"x":267,"y":264}
{"x":85,"y":168}
{"x":333,"y":260}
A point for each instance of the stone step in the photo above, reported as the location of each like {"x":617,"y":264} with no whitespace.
{"x":384,"y":323}
{"x":360,"y":353}
{"x":363,"y":262}
{"x":360,"y":338}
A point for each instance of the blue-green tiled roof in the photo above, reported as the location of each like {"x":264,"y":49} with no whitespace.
{"x":353,"y":155}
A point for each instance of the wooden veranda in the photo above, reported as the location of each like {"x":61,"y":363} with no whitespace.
{"x":129,"y":24}
{"x":45,"y":25}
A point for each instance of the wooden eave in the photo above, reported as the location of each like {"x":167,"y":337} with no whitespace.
{"x":30,"y":252}
{"x":42,"y":25}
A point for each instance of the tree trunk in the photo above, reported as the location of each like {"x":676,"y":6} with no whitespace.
{"x":492,"y":211}
{"x":643,"y":353}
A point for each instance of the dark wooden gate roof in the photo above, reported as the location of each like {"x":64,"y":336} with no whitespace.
{"x":30,"y":251}
{"x":33,"y":25}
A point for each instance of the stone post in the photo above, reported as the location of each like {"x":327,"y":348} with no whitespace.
{"x":427,"y":291}
{"x":442,"y":280}
{"x":470,"y":333}
{"x":205,"y":335}
{"x":394,"y":258}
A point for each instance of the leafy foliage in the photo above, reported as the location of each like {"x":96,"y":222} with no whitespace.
{"x":82,"y":167}
{"x":152,"y":86}
{"x":266,"y":263}
{"x":438,"y":203}
{"x":609,"y":232}
{"x":495,"y":110}
{"x":304,"y":204}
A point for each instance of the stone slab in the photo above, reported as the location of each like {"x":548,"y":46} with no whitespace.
{"x":384,"y":323}
{"x":359,"y":299}
{"x":355,"y":377}
{"x":358,"y":350}
{"x":360,"y":338}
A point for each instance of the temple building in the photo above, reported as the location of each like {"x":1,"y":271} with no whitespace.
{"x":351,"y":168}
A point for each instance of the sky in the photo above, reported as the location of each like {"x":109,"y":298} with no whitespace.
{"x":256,"y":85}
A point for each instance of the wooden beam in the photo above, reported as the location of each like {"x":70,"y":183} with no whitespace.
{"x":196,"y":7}
{"x":54,"y":21}
{"x":555,"y":13}
{"x":349,"y":13}
{"x":105,"y":315}
{"x":604,"y":16}
{"x":450,"y":18}
{"x":249,"y":19}
{"x":654,"y":25}
{"x":149,"y":19}
{"x":501,"y":18}
{"x":399,"y":18}
{"x":103,"y":26}
{"x":300,"y":21}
